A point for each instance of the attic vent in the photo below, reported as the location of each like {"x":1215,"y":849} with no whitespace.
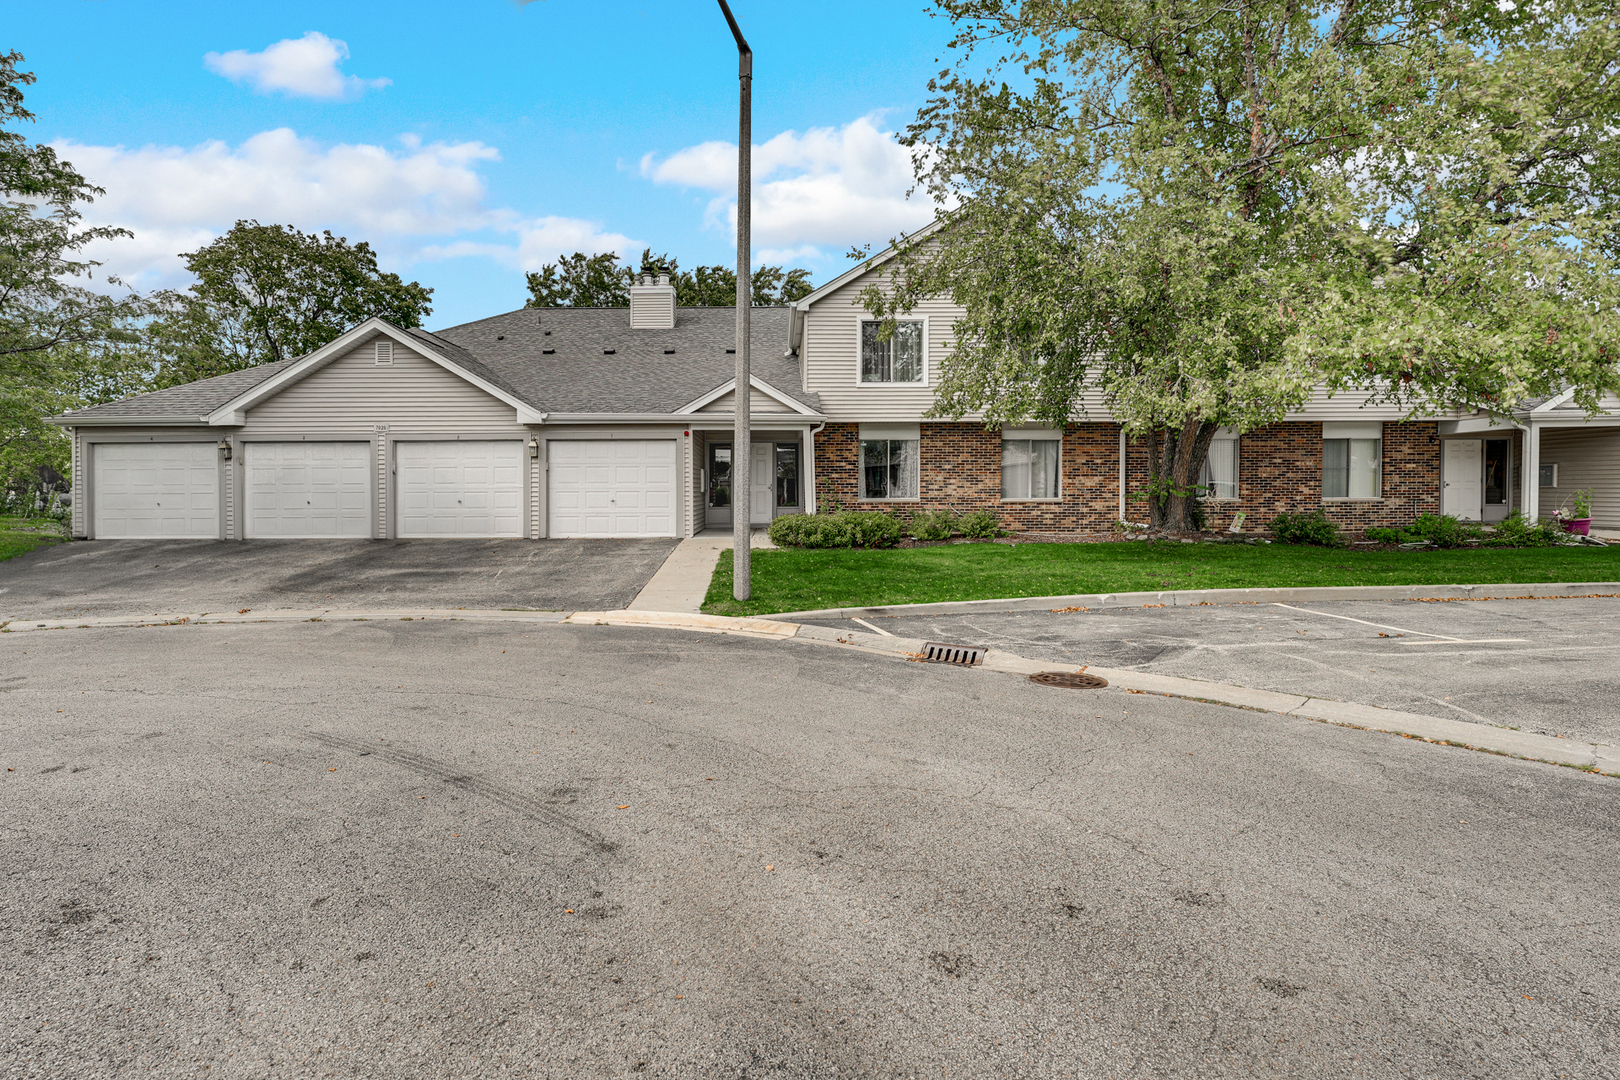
{"x":385,"y":352}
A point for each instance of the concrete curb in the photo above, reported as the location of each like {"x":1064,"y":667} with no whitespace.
{"x":1204,"y":597}
{"x":1595,"y":757}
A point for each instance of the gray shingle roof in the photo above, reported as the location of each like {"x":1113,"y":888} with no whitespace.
{"x":578,"y":376}
{"x":639,"y":376}
{"x":192,"y":399}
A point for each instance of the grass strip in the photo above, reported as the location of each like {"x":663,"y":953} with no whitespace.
{"x":18,"y":536}
{"x":804,"y":580}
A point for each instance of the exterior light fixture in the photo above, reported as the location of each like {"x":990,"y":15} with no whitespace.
{"x":225,"y":449}
{"x":534,"y":447}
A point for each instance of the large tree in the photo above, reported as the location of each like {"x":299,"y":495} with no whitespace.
{"x":62,"y":345}
{"x":581,"y":280}
{"x":270,"y":292}
{"x":1192,"y":213}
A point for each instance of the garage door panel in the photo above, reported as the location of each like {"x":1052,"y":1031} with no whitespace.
{"x":308,"y":490}
{"x":155,"y":490}
{"x":470,"y":488}
{"x":612,"y":488}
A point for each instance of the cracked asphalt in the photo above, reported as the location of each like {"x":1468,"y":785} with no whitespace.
{"x":1546,"y":666}
{"x":448,"y":850}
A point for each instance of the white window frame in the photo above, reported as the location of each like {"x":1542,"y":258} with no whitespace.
{"x":1032,"y":435}
{"x":861,"y":321}
{"x":862,"y":438}
{"x":1353,"y":432}
{"x":1223,"y":435}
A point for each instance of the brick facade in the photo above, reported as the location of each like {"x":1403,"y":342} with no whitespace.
{"x":1279,"y":468}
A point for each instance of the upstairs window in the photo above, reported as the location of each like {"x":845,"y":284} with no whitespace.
{"x":898,"y":360}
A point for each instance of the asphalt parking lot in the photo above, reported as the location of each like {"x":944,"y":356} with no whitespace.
{"x":451,"y":850}
{"x":1548,"y":666}
{"x":117,"y":577}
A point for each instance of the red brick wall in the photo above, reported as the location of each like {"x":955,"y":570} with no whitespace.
{"x":1279,"y":468}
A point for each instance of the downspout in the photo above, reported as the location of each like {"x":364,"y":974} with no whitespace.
{"x":810,"y":460}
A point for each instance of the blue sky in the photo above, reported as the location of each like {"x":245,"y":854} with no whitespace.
{"x":471,"y":141}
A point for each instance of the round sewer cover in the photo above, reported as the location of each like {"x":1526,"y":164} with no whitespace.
{"x":1073,"y":680}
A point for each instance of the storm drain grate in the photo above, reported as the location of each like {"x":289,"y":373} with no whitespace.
{"x":1073,"y":680}
{"x":967,"y":655}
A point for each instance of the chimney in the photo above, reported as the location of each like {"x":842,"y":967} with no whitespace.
{"x":652,"y":302}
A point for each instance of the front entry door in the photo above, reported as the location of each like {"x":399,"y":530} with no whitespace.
{"x":1463,"y":468}
{"x":762,"y":483}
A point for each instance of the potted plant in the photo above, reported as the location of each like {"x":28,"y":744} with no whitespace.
{"x":1580,"y":521}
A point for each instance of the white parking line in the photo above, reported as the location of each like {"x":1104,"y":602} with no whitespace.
{"x":1440,"y":639}
{"x":869,"y":626}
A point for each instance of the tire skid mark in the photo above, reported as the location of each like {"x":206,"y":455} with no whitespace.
{"x":527,"y":805}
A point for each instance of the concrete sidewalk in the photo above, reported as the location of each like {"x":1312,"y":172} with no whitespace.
{"x":682,"y":582}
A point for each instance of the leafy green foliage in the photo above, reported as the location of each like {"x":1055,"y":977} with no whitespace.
{"x":1315,"y":529}
{"x":1379,"y":534}
{"x":1201,"y":212}
{"x":980,"y":524}
{"x":581,"y":280}
{"x":1443,"y":530}
{"x":270,"y":292}
{"x":1516,"y":531}
{"x":932,"y":525}
{"x":845,"y":529}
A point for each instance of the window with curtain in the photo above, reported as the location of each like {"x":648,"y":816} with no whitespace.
{"x":1029,"y":468}
{"x":1219,"y":477}
{"x":1352,"y":468}
{"x":898,"y":360}
{"x":888,"y":469}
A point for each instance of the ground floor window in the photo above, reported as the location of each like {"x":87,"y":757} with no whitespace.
{"x":719,"y":474}
{"x":1352,"y":468}
{"x":1218,"y":479}
{"x":787,"y":474}
{"x":888,"y":469}
{"x":1029,"y":468}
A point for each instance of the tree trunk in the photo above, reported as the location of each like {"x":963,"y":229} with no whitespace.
{"x":1174,"y":464}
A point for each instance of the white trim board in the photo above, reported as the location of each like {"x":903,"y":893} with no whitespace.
{"x":758,"y":384}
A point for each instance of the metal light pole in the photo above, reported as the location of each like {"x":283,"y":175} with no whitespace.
{"x":742,"y":457}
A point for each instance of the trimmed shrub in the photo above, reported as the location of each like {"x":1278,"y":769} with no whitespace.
{"x":980,"y":525}
{"x":1443,"y":530}
{"x":1380,"y":535}
{"x":932,"y":525}
{"x":1315,"y":528}
{"x":845,"y":529}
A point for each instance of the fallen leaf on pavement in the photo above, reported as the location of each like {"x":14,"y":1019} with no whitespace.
{"x":626,"y":806}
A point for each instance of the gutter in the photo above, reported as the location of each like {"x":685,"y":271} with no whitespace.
{"x":69,"y":420}
{"x":684,"y":419}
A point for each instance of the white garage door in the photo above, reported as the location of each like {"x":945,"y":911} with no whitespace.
{"x":617,"y":487}
{"x":459,"y":488}
{"x":306,"y":490}
{"x":155,"y":490}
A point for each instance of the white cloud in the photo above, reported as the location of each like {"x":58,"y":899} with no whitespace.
{"x":826,"y":187}
{"x":299,"y":67}
{"x":416,"y":201}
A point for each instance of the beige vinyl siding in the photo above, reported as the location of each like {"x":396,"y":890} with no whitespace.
{"x":758,"y":402}
{"x":353,"y":394}
{"x":830,"y":356}
{"x":697,"y":516}
{"x":355,"y":398}
{"x":76,"y":486}
{"x":1586,"y":458}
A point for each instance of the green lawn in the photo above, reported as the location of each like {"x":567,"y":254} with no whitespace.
{"x":21,"y":535}
{"x":794,"y":580}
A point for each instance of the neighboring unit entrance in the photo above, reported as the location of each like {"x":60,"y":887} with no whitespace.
{"x":1462,"y":472}
{"x":466,"y":489}
{"x":155,"y":491}
{"x":612,"y":488}
{"x":307,"y":490}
